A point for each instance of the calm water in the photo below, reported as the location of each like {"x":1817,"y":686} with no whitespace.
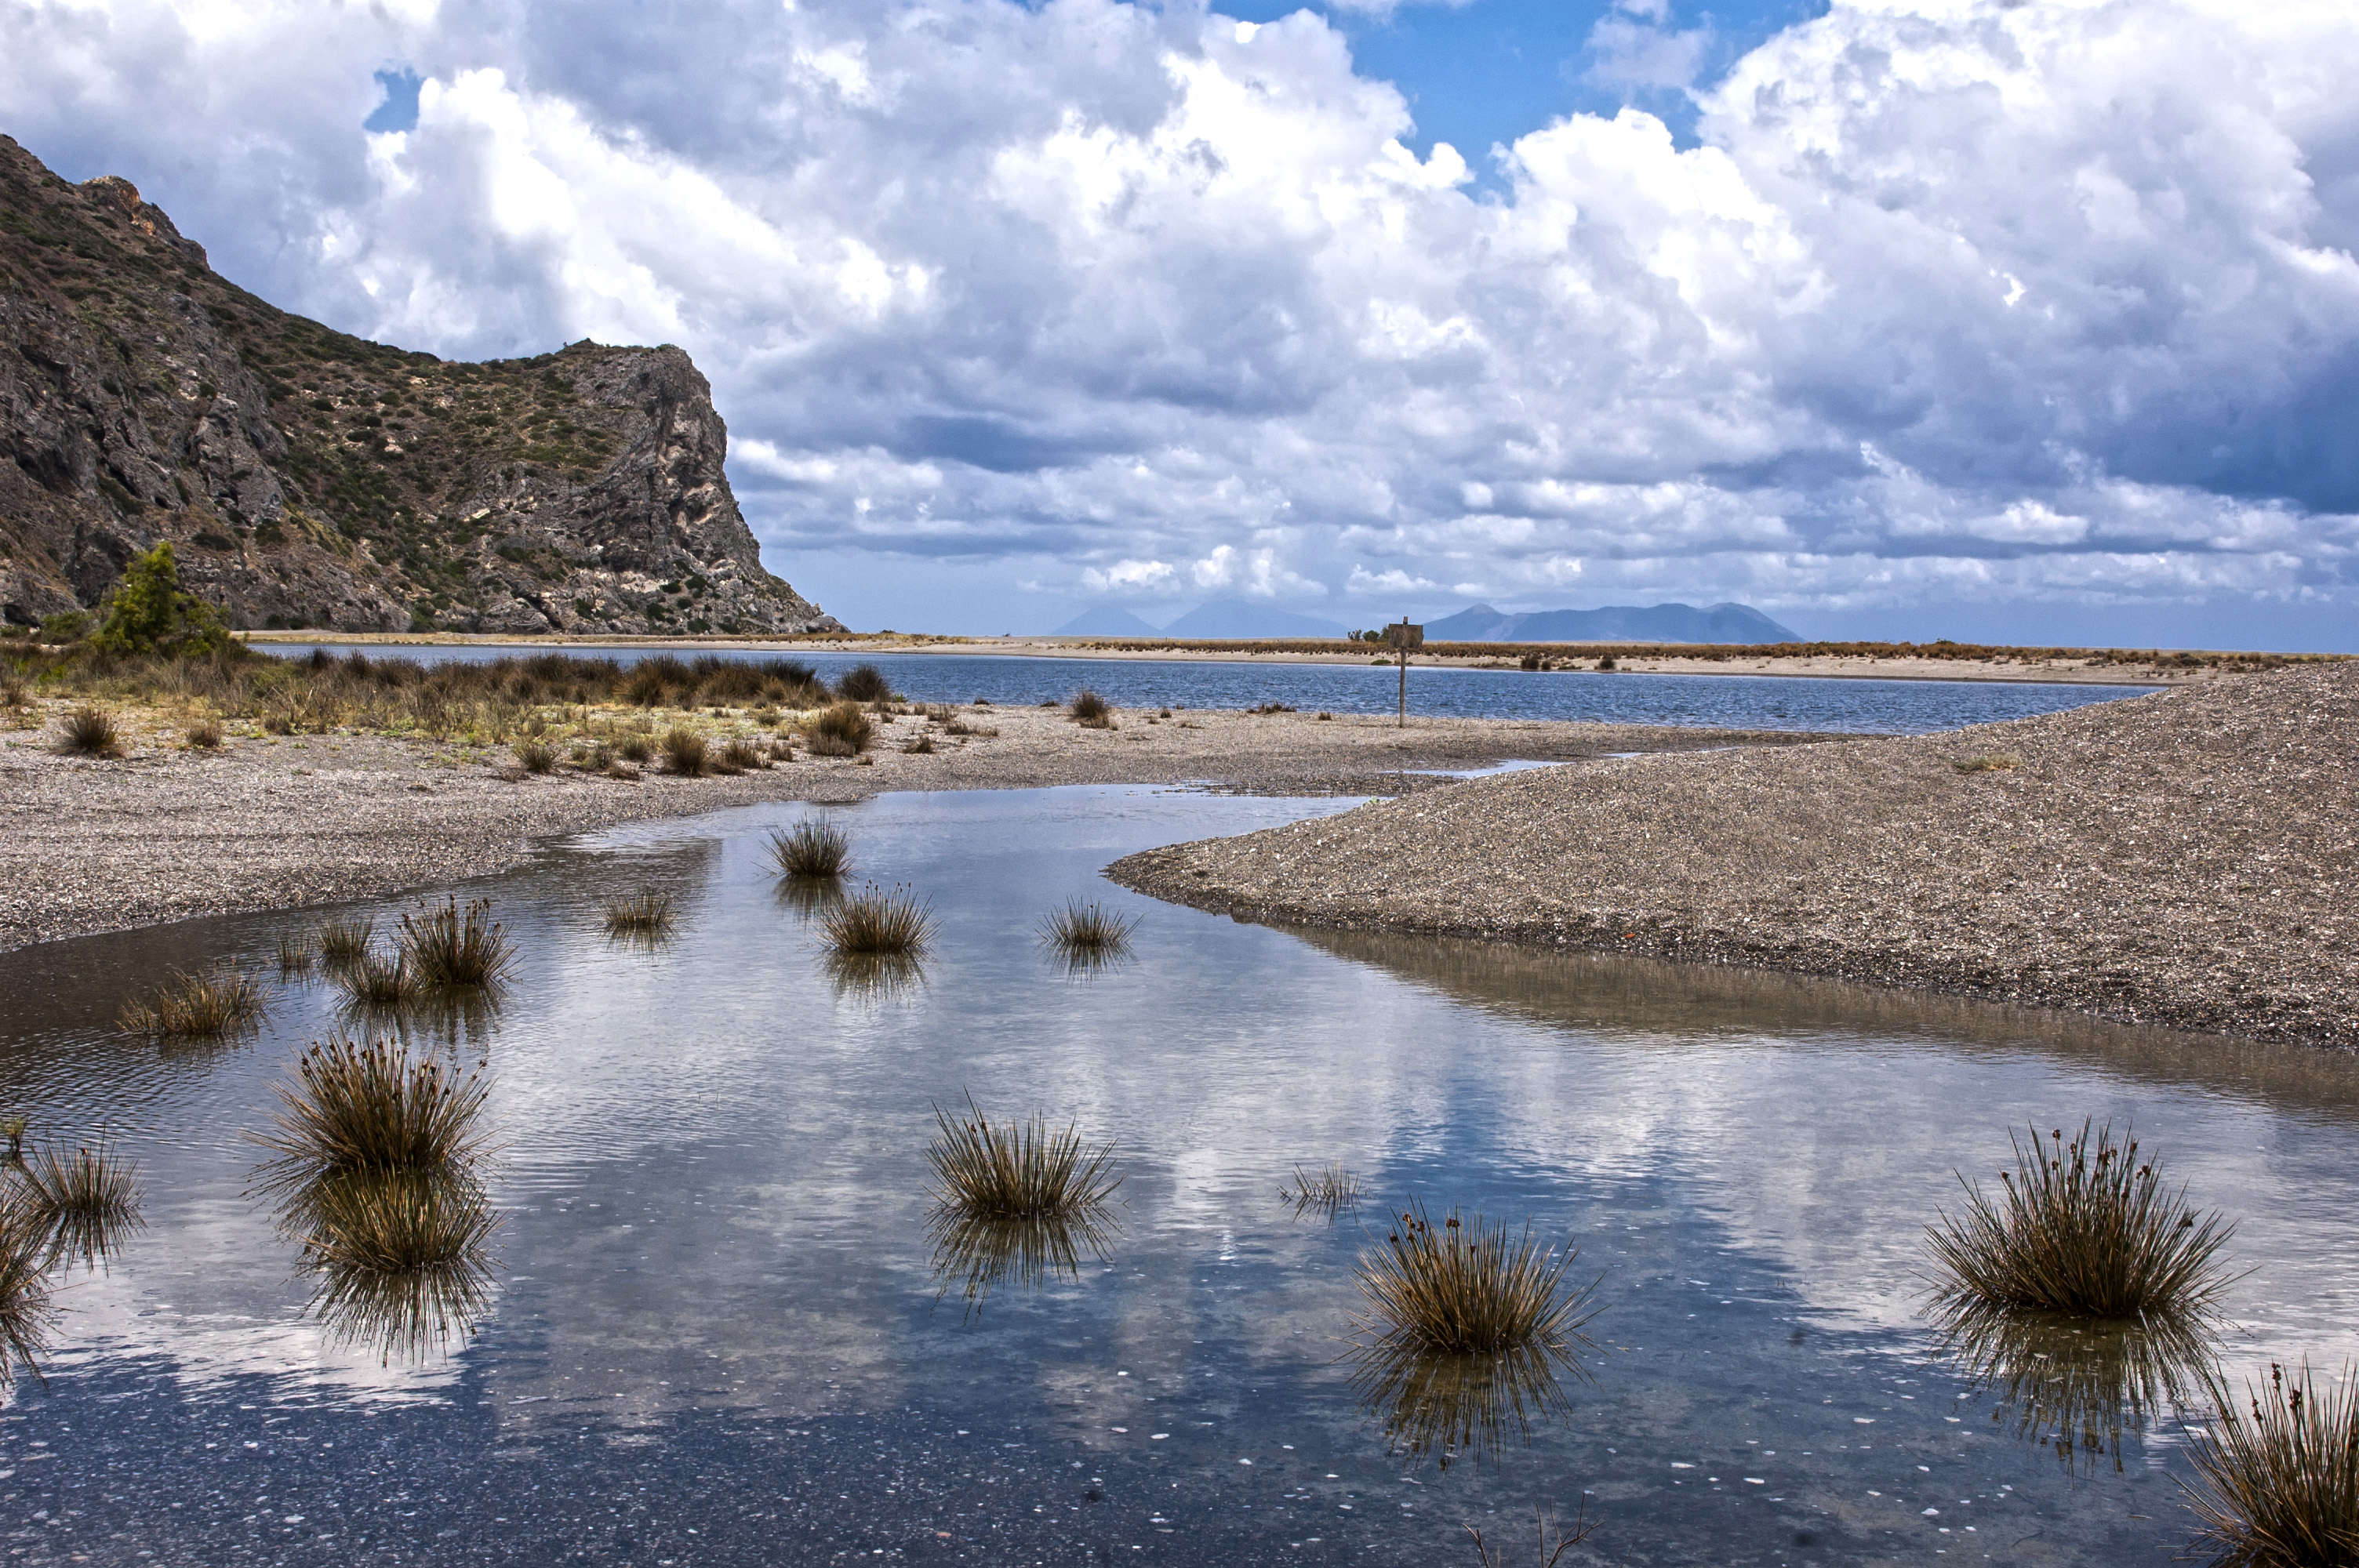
{"x":718,"y":1336}
{"x":1748,"y":702}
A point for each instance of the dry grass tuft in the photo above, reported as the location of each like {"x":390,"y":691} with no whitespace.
{"x":2281,"y":1489}
{"x":743,"y":755}
{"x":684,"y":752}
{"x":641,"y":914}
{"x":206,"y":734}
{"x":454,"y":949}
{"x":1995,"y":762}
{"x":2083,"y":1229}
{"x":89,"y":731}
{"x":814,"y":849}
{"x":1087,"y":926}
{"x":1017,"y":1172}
{"x":88,"y":1201}
{"x":372,"y":1107}
{"x":227,"y":1001}
{"x":1470,"y":1289}
{"x":1089,"y":710}
{"x":536,"y":756}
{"x":382,"y":981}
{"x":843,"y":730}
{"x":295,"y":952}
{"x":876,"y":923}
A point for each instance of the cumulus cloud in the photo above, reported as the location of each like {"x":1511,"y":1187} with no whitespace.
{"x":1950,"y":299}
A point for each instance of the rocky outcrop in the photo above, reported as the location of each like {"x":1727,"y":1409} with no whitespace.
{"x":308,"y":477}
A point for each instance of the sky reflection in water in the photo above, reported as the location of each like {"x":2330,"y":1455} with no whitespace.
{"x":715,"y":1207}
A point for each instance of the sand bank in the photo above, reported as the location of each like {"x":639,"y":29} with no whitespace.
{"x":166,"y":832}
{"x":2185,"y":859}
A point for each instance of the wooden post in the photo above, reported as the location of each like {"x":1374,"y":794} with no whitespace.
{"x":1404,"y":637}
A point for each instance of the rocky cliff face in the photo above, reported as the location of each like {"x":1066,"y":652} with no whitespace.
{"x":311,"y":478}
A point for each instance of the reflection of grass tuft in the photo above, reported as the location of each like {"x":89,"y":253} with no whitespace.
{"x":401,"y":1258}
{"x":2085,"y":1229}
{"x":2073,"y":1384}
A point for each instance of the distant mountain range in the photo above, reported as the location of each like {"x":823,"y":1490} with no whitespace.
{"x":1614,"y":623}
{"x":1232,"y":618}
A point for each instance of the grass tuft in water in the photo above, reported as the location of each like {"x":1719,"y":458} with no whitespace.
{"x":295,"y":952}
{"x":88,"y":1200}
{"x":1467,"y":1288}
{"x":1325,"y":1191}
{"x":641,"y":914}
{"x":1086,"y":926}
{"x":12,"y":1128}
{"x":379,"y":981}
{"x":454,"y":949}
{"x":372,"y":1106}
{"x":878,"y":923}
{"x":89,"y":731}
{"x":1554,"y":1542}
{"x":346,"y":938}
{"x":226,"y":1001}
{"x":27,"y":1310}
{"x":2281,"y":1489}
{"x":813,"y":848}
{"x":1018,"y":1170}
{"x":2084,"y":1229}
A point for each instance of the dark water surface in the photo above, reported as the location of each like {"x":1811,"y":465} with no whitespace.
{"x":718,"y":1336}
{"x":1728,"y":702}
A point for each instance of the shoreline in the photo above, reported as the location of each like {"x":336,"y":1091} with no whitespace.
{"x":168,"y":833}
{"x":2026,"y":667}
{"x":2181,"y":859}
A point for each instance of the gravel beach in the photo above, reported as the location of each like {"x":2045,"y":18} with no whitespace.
{"x":166,"y":832}
{"x":2184,"y":859}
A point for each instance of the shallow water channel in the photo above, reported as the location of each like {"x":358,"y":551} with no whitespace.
{"x":718,"y":1334}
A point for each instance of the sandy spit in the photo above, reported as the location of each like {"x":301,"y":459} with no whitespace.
{"x":2185,"y":859}
{"x":166,"y":833}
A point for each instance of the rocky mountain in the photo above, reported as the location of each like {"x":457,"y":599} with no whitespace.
{"x":308,"y":477}
{"x":1738,"y":624}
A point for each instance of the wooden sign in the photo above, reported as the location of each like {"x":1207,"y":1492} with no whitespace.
{"x":1401,"y":634}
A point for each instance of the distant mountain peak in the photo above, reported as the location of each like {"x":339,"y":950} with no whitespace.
{"x":1723,"y":623}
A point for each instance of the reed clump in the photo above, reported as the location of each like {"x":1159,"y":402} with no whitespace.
{"x":863,"y":682}
{"x":536,"y":756}
{"x":87,"y":1200}
{"x":205,"y":735}
{"x":876,"y":922}
{"x":198,"y":1006}
{"x":743,"y":755}
{"x":842,"y":731}
{"x":1087,"y":926}
{"x":384,"y":981}
{"x":1089,"y":710}
{"x":2082,"y":1229}
{"x":1020,"y":1171}
{"x":639,"y":915}
{"x":372,"y":1106}
{"x":346,"y":938}
{"x":453,"y":948}
{"x":295,"y":952}
{"x":89,"y":731}
{"x":813,"y":848}
{"x":1467,"y":1288}
{"x":2280,"y":1489}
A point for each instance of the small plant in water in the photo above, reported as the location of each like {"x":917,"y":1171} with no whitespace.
{"x":228,"y":1002}
{"x":12,"y":1128}
{"x":1471,"y":1289}
{"x":641,"y":914}
{"x":1020,"y":1171}
{"x":814,"y":848}
{"x":89,"y":731}
{"x":2280,"y":1489}
{"x":1087,"y":926}
{"x":452,"y":950}
{"x":1326,"y":1190}
{"x":1554,"y":1540}
{"x":294,"y":953}
{"x":2082,"y":1228}
{"x":380,"y":980}
{"x":88,"y":1200}
{"x":346,"y":938}
{"x":371,"y":1106}
{"x":874,"y":923}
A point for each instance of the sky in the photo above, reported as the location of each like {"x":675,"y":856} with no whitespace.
{"x":2007,"y":321}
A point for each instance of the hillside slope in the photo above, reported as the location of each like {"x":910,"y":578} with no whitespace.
{"x":308,"y":477}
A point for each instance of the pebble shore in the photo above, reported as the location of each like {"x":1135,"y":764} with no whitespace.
{"x":167,"y":833}
{"x":2183,"y":860}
